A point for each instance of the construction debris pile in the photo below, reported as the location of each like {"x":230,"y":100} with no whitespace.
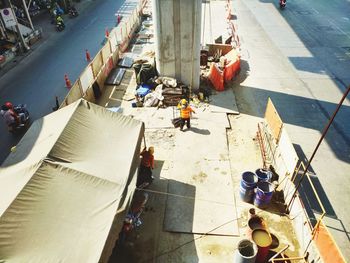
{"x":154,"y":90}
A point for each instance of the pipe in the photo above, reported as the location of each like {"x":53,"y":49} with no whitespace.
{"x":289,"y":259}
{"x":24,"y":46}
{"x":278,"y":253}
{"x":28,"y":16}
{"x":144,"y":141}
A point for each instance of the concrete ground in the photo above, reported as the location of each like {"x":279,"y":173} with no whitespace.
{"x":298,"y":58}
{"x":194,"y":213}
{"x":209,"y":158}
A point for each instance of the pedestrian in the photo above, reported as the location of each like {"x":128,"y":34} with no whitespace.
{"x":11,"y":118}
{"x":185,"y":113}
{"x":145,"y":177}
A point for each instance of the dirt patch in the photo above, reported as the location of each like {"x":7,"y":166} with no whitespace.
{"x":200,"y":177}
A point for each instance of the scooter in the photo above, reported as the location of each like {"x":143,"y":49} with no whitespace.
{"x":72,"y":12}
{"x":60,"y":26}
{"x":132,"y":219}
{"x":283,"y":3}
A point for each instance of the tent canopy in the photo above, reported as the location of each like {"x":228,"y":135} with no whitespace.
{"x":65,"y":189}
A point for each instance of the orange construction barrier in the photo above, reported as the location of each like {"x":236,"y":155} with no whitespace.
{"x":216,"y":76}
{"x":68,"y":83}
{"x":326,"y":246}
{"x":232,"y":67}
{"x":87,"y":54}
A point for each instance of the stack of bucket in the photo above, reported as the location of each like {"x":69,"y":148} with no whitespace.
{"x":256,"y":187}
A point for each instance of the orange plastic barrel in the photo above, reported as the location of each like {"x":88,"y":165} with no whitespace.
{"x":263,"y":240}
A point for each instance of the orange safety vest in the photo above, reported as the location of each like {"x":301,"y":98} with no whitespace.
{"x":186,"y":112}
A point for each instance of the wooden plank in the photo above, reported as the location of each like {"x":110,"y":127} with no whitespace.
{"x":288,"y":153}
{"x":273,"y":120}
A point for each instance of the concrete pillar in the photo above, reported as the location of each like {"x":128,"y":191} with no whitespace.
{"x":177,"y":34}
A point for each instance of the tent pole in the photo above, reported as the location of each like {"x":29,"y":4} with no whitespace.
{"x":144,"y":141}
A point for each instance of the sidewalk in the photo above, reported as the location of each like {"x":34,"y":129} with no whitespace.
{"x":194,"y":213}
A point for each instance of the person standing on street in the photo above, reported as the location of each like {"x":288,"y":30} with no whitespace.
{"x":185,"y":113}
{"x":11,"y":118}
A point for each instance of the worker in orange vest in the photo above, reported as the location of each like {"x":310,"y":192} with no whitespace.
{"x":185,"y":113}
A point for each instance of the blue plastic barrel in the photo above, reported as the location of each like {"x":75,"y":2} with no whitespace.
{"x":247,"y":185}
{"x":263,"y":194}
{"x":263,"y":175}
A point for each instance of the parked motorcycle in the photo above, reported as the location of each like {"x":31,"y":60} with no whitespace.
{"x":283,"y":3}
{"x":132,"y":219}
{"x":72,"y":12}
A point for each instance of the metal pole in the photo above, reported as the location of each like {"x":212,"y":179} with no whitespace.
{"x":24,"y":46}
{"x":27,"y":14}
{"x":144,"y":141}
{"x":3,"y":29}
{"x":205,"y":10}
{"x":319,"y":142}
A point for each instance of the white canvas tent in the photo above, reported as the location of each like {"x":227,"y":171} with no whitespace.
{"x":65,"y":190}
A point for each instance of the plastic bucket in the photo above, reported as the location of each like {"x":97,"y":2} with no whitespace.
{"x":247,"y":185}
{"x":246,"y":252}
{"x":263,"y":240}
{"x":263,"y":194}
{"x":263,"y":175}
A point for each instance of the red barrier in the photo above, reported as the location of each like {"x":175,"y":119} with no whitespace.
{"x":231,"y":70}
{"x":219,"y":77}
{"x":216,"y":77}
{"x":233,"y":66}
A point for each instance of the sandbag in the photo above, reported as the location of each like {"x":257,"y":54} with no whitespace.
{"x":144,"y":72}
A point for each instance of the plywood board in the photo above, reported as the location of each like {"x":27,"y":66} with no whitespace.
{"x":288,"y":153}
{"x":273,"y":120}
{"x":126,"y":62}
{"x":188,"y":202}
{"x":97,"y":63}
{"x":86,"y":79}
{"x":115,"y":76}
{"x":106,"y":51}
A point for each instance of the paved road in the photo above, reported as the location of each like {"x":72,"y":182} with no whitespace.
{"x":306,"y":78}
{"x":39,"y":77}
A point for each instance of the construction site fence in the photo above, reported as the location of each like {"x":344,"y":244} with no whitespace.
{"x":278,"y":152}
{"x":116,"y":42}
